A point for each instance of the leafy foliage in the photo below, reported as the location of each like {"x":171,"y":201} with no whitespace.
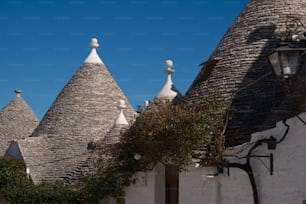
{"x":164,"y":133}
{"x":18,"y":188}
{"x":174,"y":134}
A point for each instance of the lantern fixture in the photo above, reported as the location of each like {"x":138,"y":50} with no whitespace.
{"x":286,"y":59}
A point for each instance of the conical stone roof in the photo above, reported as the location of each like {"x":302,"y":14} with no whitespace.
{"x":17,"y":121}
{"x":238,"y":71}
{"x":85,"y":110}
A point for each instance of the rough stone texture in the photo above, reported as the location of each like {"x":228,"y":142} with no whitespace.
{"x":237,"y":78}
{"x":17,"y":121}
{"x":98,"y":150}
{"x":84,"y":111}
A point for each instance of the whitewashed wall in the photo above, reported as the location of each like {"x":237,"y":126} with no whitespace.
{"x":287,"y":185}
{"x":288,"y":182}
{"x":148,"y":189}
{"x":197,"y":187}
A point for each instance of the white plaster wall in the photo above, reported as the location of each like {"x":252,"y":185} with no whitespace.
{"x":196,"y":187}
{"x":288,"y":182}
{"x":235,"y":188}
{"x":141,"y":191}
{"x":287,"y":185}
{"x":148,"y":189}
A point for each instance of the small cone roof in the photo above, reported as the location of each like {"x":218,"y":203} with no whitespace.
{"x":17,"y":120}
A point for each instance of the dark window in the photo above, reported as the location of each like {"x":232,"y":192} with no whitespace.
{"x":172,"y":185}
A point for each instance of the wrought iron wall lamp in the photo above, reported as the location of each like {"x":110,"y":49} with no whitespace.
{"x":286,"y":58}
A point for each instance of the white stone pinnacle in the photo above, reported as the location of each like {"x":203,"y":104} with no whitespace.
{"x":93,"y":56}
{"x":18,"y":93}
{"x":169,"y":63}
{"x":94,"y":43}
{"x":167,"y":92}
{"x":121,"y":120}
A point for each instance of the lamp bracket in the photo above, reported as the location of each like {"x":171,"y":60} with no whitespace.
{"x":271,"y":160}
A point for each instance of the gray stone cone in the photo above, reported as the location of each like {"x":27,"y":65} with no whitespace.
{"x":17,"y":121}
{"x":84,"y":111}
{"x":87,"y":105}
{"x":239,"y":78}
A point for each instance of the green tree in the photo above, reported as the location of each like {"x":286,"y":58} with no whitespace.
{"x":174,"y":134}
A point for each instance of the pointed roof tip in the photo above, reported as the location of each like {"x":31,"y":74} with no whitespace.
{"x":168,"y":92}
{"x":18,"y":93}
{"x":121,"y":120}
{"x":93,"y":56}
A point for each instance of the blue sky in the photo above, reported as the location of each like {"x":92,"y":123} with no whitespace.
{"x":44,"y":42}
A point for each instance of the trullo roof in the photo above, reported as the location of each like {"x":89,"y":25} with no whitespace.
{"x":238,"y":71}
{"x":17,"y":121}
{"x":84,"y":111}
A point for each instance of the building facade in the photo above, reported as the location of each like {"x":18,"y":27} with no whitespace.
{"x":265,"y":145}
{"x":264,"y":138}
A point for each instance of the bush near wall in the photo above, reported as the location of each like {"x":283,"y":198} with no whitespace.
{"x":174,"y":134}
{"x":18,"y":188}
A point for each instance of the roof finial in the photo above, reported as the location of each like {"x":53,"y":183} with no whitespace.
{"x":168,"y":92}
{"x":93,"y":57}
{"x":94,"y":43}
{"x":18,"y":93}
{"x":121,"y":120}
{"x":169,"y":65}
